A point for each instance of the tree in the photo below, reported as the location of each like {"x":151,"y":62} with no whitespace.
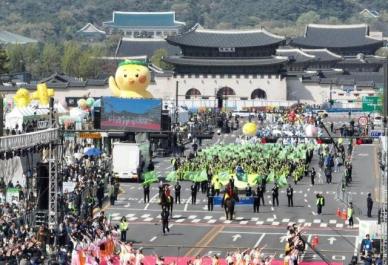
{"x":70,"y":58}
{"x":3,"y":61}
{"x":307,"y":18}
{"x":16,"y":58}
{"x":50,"y":59}
{"x":157,"y":57}
{"x":383,"y":51}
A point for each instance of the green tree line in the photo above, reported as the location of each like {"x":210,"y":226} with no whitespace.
{"x":42,"y":60}
{"x":59,"y":20}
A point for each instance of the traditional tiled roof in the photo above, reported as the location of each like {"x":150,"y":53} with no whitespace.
{"x":323,"y":55}
{"x":335,"y":36}
{"x":197,"y":61}
{"x":370,"y":59}
{"x":360,"y":79}
{"x":143,"y":20}
{"x":12,"y":38}
{"x":200,"y":37}
{"x":131,"y":47}
{"x":91,"y":29}
{"x":295,"y":55}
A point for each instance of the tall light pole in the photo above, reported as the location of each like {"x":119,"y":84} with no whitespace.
{"x":385,"y":114}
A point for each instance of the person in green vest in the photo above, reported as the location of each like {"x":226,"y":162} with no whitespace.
{"x":123,"y":229}
{"x":320,"y":203}
{"x":350,"y":214}
{"x":217,"y":186}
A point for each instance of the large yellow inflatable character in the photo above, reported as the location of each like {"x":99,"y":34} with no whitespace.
{"x":131,"y":80}
{"x":22,"y":98}
{"x":43,"y":94}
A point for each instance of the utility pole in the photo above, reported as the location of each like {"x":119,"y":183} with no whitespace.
{"x":385,"y":204}
{"x":176,"y":101}
{"x":1,"y":115}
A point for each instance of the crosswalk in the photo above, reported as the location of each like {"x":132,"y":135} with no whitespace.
{"x":209,"y":219}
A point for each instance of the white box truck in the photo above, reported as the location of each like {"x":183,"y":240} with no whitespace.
{"x":126,"y":160}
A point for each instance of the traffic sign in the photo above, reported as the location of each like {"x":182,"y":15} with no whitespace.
{"x":363,"y":120}
{"x":372,"y":104}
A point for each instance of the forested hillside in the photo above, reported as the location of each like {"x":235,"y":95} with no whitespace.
{"x":60,"y":19}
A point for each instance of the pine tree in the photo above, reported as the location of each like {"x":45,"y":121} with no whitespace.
{"x":3,"y":61}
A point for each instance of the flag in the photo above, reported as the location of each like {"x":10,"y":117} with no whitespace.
{"x":150,"y":177}
{"x":282,"y":181}
{"x":172,"y":176}
{"x":271,"y":177}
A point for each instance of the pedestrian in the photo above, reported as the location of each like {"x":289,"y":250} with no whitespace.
{"x":161,"y":189}
{"x":350,"y":214}
{"x":260,"y":193}
{"x":248,"y":191}
{"x":112,"y":195}
{"x":312,"y":176}
{"x":290,"y":195}
{"x":116,"y":188}
{"x":146,"y":191}
{"x":210,"y":198}
{"x":165,"y":217}
{"x":331,"y":127}
{"x":275,"y":195}
{"x":328,"y":174}
{"x":193,"y":193}
{"x":217,"y":186}
{"x":256,"y":203}
{"x":123,"y":229}
{"x":320,"y":203}
{"x":177,"y":189}
{"x":369,"y":204}
{"x":100,"y":195}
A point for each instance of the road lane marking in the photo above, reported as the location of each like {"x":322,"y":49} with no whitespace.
{"x":208,"y":217}
{"x":259,"y":240}
{"x":187,"y":204}
{"x":153,"y":198}
{"x":332,"y":221}
{"x":275,"y":223}
{"x":301,"y":220}
{"x":317,"y":221}
{"x":153,"y":239}
{"x":307,"y":246}
{"x":145,"y":215}
{"x":282,"y":233}
{"x":211,"y":221}
{"x":243,"y":222}
{"x":196,"y":220}
{"x":179,"y":220}
{"x":285,"y":220}
{"x":323,"y":225}
{"x":205,"y":241}
{"x":192,"y":217}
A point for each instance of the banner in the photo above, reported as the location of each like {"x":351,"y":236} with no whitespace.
{"x":68,"y":186}
{"x":12,"y":195}
{"x":130,"y":114}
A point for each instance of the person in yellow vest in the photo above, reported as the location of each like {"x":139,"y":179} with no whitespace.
{"x":350,"y":214}
{"x":123,"y":228}
{"x":217,"y":186}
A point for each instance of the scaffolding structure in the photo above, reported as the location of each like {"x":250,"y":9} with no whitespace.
{"x":383,"y":198}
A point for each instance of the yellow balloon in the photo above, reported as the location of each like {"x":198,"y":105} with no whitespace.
{"x":43,"y":94}
{"x":249,"y":129}
{"x":82,"y":104}
{"x":22,"y":98}
{"x":340,"y":140}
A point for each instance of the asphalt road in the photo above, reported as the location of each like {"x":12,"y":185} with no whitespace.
{"x":196,"y":231}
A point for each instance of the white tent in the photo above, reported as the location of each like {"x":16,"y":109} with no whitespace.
{"x":18,"y":115}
